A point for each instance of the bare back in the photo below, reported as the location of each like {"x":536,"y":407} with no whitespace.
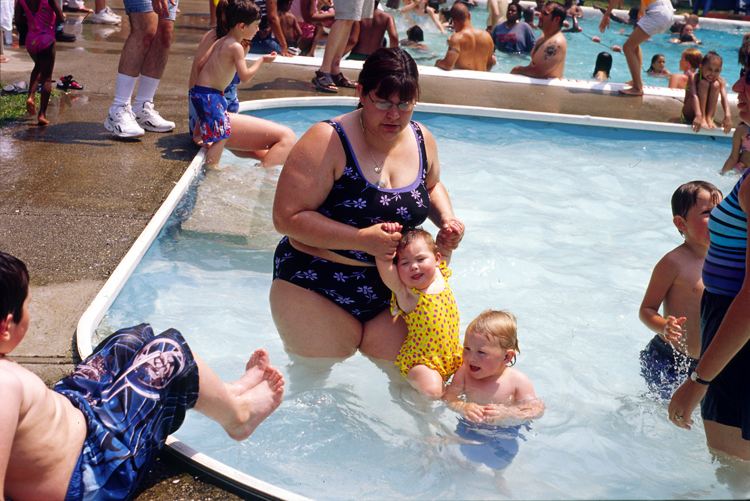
{"x":371,"y":32}
{"x":475,"y":49}
{"x":217,"y":68}
{"x":49,"y":435}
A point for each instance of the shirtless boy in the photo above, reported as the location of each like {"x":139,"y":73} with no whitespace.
{"x":677,"y":283}
{"x":548,"y":54}
{"x":469,"y":48}
{"x":77,"y":440}
{"x":216,"y":71}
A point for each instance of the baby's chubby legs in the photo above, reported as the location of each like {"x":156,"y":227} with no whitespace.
{"x":426,"y":381}
{"x":239,"y":407}
{"x":708,"y":95}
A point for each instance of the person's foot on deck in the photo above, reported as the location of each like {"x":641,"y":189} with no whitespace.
{"x":631,"y":91}
{"x":260,"y":401}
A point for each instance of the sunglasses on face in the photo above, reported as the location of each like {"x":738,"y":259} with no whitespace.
{"x":386,"y":105}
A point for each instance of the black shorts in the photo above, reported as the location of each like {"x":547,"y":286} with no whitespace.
{"x":357,"y":289}
{"x":727,"y":399}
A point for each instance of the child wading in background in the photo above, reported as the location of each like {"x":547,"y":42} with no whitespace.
{"x":677,"y":283}
{"x":739,"y":158}
{"x":702,"y":94}
{"x":289,"y":26}
{"x":216,"y":71}
{"x":418,"y":279}
{"x":689,"y":63}
{"x":40,"y":43}
{"x":658,"y":62}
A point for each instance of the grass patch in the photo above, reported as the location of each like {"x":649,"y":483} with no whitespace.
{"x":14,"y":107}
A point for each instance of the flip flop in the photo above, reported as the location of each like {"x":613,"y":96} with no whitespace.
{"x":67,"y":82}
{"x":18,"y":87}
{"x":324,"y":82}
{"x":341,"y":81}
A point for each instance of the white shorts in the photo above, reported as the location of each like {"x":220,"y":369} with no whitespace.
{"x":658,"y":17}
{"x":354,"y":10}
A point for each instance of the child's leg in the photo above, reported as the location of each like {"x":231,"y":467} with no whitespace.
{"x":33,"y":82}
{"x":241,"y":414}
{"x":257,"y":138}
{"x":703,"y":91}
{"x":634,"y":57}
{"x":214,"y":153}
{"x":427,"y":381}
{"x":46,"y":60}
{"x":711,"y":100}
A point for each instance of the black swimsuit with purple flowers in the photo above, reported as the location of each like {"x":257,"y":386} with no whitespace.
{"x":355,"y":201}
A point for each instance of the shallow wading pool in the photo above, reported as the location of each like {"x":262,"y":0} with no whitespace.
{"x":564,"y":225}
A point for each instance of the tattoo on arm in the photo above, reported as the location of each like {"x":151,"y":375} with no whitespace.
{"x":454,"y":50}
{"x":550,"y":51}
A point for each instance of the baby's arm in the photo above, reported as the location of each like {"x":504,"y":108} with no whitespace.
{"x":243,"y":71}
{"x":726,"y":124}
{"x":524,"y":405}
{"x":734,"y":156}
{"x":452,"y":396}
{"x":662,"y":278}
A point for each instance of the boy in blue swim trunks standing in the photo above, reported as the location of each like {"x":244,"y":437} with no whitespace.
{"x":677,"y":283}
{"x":216,"y":71}
{"x":101,"y":428}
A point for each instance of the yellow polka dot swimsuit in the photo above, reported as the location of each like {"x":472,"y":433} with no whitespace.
{"x":433,"y":337}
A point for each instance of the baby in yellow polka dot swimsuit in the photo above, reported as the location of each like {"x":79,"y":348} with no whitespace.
{"x":418,"y":278}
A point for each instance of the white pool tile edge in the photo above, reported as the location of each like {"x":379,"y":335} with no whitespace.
{"x":112,"y":287}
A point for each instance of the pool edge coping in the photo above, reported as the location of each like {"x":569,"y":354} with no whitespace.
{"x":95,"y":312}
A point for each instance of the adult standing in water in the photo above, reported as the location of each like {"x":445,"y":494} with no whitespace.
{"x":720,"y":380}
{"x":251,"y":137}
{"x":343,"y":179}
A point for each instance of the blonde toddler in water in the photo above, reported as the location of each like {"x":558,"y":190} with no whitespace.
{"x":418,"y":278}
{"x":493,"y":391}
{"x":216,"y":71}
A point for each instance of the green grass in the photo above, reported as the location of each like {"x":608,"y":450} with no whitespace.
{"x":14,"y":107}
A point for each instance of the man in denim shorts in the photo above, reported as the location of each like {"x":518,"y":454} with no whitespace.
{"x":149,"y":20}
{"x":330,"y":77}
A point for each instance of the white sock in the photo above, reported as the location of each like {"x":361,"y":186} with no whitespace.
{"x":146,"y":90}
{"x":124,"y":89}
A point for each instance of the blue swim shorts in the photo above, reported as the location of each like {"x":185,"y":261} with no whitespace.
{"x":495,"y":446}
{"x":211,"y":108}
{"x":727,"y":399}
{"x":664,"y":368}
{"x":134,"y":391}
{"x":138,"y":6}
{"x":230,"y":94}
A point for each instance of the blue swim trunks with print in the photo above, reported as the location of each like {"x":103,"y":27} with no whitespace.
{"x":495,"y":446}
{"x":211,"y":108}
{"x":664,"y":368}
{"x":134,"y":391}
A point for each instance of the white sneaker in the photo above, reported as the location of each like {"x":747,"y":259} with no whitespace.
{"x":149,"y":119}
{"x":104,"y":17}
{"x":121,"y":121}
{"x":111,"y":13}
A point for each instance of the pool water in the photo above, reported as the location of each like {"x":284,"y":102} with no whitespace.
{"x":582,"y":51}
{"x":564,"y":225}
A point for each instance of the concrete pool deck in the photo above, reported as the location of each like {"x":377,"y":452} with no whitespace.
{"x":73,"y":199}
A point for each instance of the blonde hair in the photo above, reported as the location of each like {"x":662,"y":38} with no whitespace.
{"x":497,"y":326}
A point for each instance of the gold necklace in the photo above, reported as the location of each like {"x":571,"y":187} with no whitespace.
{"x":378,"y":168}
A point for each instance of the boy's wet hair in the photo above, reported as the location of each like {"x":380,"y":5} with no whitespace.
{"x":415,"y":34}
{"x":686,"y":196}
{"x":241,"y":11}
{"x":711,"y":54}
{"x":14,"y":286}
{"x":497,"y":326}
{"x":409,"y":235}
{"x":693,"y":56}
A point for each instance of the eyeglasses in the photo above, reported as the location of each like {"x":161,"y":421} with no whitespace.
{"x":386,"y":105}
{"x":745,"y":74}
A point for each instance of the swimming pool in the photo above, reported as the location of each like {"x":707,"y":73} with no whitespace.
{"x":564,"y":225}
{"x":725,"y":38}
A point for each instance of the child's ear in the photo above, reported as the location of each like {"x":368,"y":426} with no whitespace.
{"x":680,"y":223}
{"x":5,"y":324}
{"x":510,"y":354}
{"x":437,"y":256}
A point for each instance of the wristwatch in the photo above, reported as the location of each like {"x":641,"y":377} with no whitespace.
{"x":695,"y":377}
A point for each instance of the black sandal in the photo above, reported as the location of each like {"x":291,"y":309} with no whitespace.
{"x":341,"y":81}
{"x":324,"y":82}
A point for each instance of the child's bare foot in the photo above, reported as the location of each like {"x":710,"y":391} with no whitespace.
{"x":43,"y":119}
{"x":260,"y":401}
{"x":253,"y":375}
{"x":632,"y":91}
{"x":31,"y":106}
